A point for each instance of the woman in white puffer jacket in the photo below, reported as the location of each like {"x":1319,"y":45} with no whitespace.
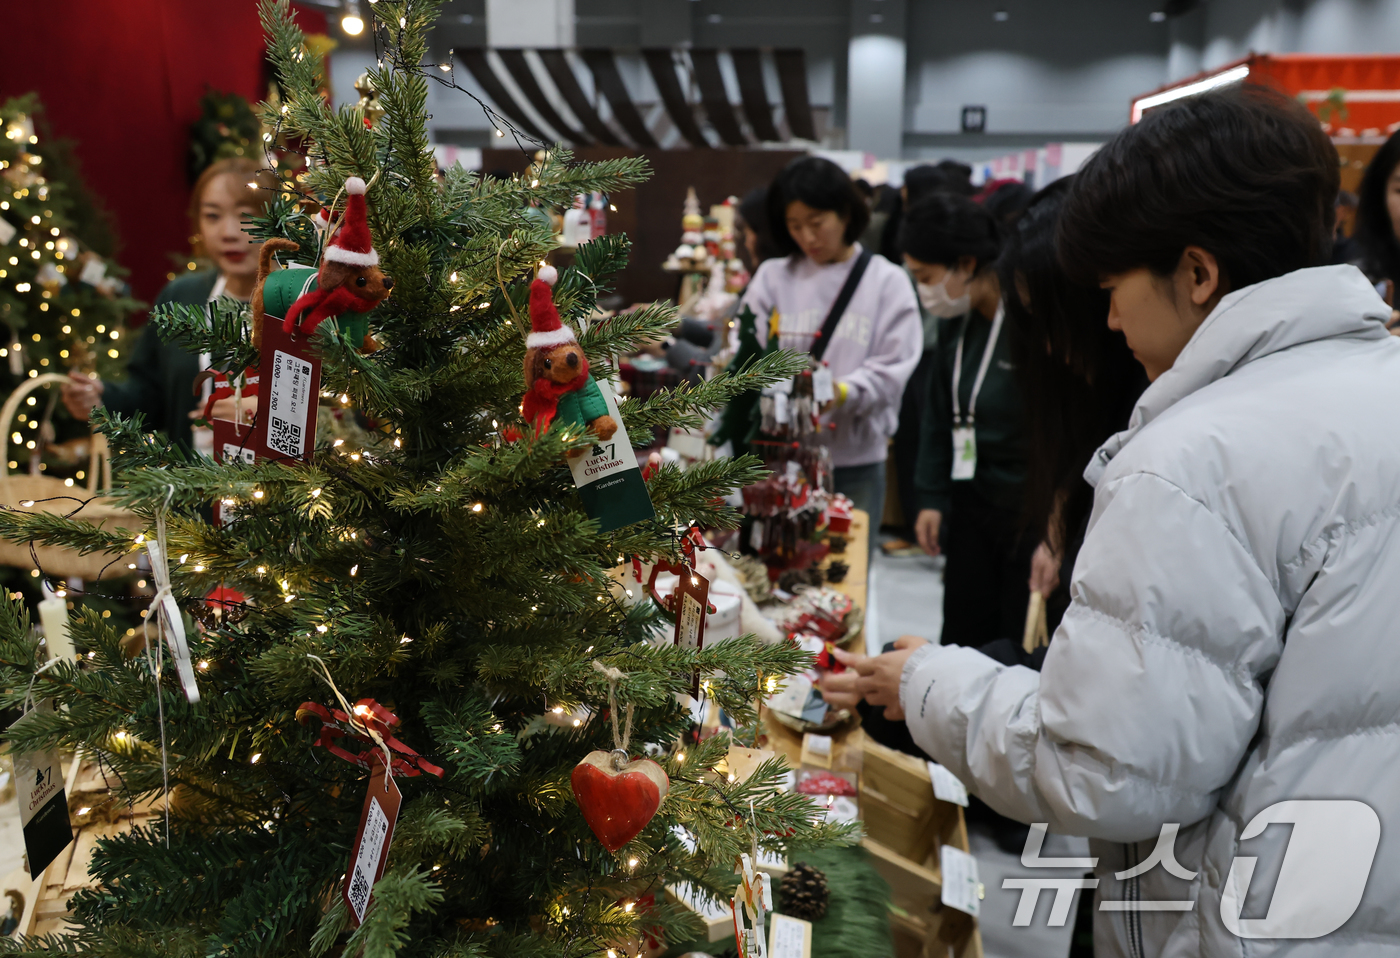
{"x":1231,"y":656}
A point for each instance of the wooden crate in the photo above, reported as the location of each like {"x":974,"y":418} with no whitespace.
{"x":905,"y":826}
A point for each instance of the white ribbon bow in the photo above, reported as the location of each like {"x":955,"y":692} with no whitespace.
{"x":167,"y":614}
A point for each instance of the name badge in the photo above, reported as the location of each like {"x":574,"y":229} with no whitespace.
{"x":964,"y":452}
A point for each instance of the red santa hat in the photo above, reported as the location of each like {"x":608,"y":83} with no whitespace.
{"x":351,"y":243}
{"x":545,"y":328}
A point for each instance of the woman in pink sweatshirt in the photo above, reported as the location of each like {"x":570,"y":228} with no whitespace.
{"x":815,"y":215}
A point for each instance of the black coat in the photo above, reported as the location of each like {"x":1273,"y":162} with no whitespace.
{"x":160,"y":375}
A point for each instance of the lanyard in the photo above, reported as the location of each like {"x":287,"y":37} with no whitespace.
{"x":981,"y":369}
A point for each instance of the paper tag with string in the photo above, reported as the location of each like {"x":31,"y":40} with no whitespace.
{"x":166,"y":613}
{"x":691,"y":603}
{"x":43,"y":804}
{"x":376,"y":832}
{"x":289,"y":386}
{"x":609,"y":482}
{"x":377,"y":818}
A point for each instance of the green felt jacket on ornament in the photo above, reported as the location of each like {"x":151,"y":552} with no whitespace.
{"x":583,"y":405}
{"x":282,"y":288}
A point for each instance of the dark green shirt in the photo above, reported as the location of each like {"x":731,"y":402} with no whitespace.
{"x":999,"y":424}
{"x":160,"y":375}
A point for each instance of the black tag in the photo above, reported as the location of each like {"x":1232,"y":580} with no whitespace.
{"x":43,"y":805}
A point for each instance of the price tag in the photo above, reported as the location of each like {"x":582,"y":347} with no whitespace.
{"x":789,"y":937}
{"x":823,"y":387}
{"x":289,"y":374}
{"x":377,"y":820}
{"x":691,"y":597}
{"x":231,"y":441}
{"x":43,"y":805}
{"x":756,"y":535}
{"x":781,"y":413}
{"x":961,"y":888}
{"x":964,"y":452}
{"x":842,"y":809}
{"x":607,"y":477}
{"x":792,"y":698}
{"x":946,"y":785}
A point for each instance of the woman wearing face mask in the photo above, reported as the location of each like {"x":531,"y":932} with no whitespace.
{"x":160,"y":375}
{"x":972,"y":459}
{"x":815,"y":216}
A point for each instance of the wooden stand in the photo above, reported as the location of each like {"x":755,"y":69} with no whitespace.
{"x":905,"y":826}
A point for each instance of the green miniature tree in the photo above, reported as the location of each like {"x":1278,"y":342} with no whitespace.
{"x":61,"y":297}
{"x":448,"y":574}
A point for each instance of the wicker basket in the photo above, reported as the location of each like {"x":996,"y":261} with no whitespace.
{"x":47,"y":494}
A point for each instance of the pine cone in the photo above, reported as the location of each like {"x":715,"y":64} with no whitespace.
{"x":803,"y":893}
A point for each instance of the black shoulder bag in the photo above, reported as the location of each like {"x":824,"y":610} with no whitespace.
{"x":838,"y":308}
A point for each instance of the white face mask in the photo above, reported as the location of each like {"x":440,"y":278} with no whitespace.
{"x":936,"y":300}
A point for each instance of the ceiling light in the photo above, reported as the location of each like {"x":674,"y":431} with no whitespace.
{"x":352,"y":23}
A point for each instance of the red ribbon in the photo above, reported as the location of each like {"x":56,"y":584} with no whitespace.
{"x":335,"y":724}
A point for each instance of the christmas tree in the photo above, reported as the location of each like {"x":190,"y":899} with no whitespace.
{"x":63,"y":304}
{"x":61,"y":297}
{"x":444,"y":572}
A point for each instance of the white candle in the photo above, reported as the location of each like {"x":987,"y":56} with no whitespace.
{"x":53,"y":615}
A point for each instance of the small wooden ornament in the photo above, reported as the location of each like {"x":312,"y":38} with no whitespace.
{"x":618,"y":796}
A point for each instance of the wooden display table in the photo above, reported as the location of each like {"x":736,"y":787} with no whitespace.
{"x":905,"y":825}
{"x":857,"y":557}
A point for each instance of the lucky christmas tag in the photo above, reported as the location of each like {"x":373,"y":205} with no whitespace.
{"x":43,"y":806}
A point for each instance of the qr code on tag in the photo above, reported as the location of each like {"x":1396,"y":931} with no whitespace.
{"x":283,"y":436}
{"x":359,"y":893}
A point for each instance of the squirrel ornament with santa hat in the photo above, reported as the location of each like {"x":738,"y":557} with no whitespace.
{"x":557,"y":382}
{"x":348,"y":280}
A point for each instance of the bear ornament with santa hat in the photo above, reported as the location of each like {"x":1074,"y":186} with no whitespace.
{"x":558,"y":384}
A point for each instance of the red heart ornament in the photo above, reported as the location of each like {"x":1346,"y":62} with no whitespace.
{"x":618,"y":797}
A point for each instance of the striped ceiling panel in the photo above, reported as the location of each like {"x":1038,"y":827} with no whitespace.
{"x":584,"y":97}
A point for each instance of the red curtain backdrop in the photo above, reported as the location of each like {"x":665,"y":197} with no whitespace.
{"x":124,"y":80}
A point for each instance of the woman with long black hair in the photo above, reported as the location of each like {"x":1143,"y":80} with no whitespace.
{"x":1377,"y":232}
{"x":1079,"y":382}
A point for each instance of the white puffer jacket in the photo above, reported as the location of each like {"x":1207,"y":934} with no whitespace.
{"x":1233,"y":643}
